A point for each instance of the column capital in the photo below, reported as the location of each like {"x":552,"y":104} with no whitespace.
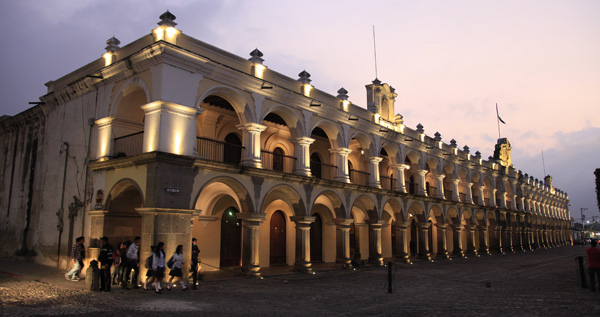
{"x":455,"y":181}
{"x":374,"y":159}
{"x":343,"y":221}
{"x":440,"y":177}
{"x":252,"y":217}
{"x":422,"y":172}
{"x":424,"y":225}
{"x":400,"y":167}
{"x":251,"y":127}
{"x":469,"y":185}
{"x":457,"y":227}
{"x":305,"y":220}
{"x":340,"y":151}
{"x":303,"y":140}
{"x":442,"y":226}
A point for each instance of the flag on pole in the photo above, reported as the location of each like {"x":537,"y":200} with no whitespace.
{"x":497,"y":114}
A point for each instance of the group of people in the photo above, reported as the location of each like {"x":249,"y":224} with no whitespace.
{"x":126,"y":259}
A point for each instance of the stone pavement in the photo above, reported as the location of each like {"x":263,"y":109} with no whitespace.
{"x":540,"y":283}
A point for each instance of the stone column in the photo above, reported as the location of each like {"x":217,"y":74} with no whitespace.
{"x":509,"y":239}
{"x":302,"y":263}
{"x":471,"y":247}
{"x":105,"y":138}
{"x":375,"y":254}
{"x":170,"y":226}
{"x":251,"y":131}
{"x":493,"y":197}
{"x":440,"y":186}
{"x":343,"y":241}
{"x":442,"y":243}
{"x":481,"y":195}
{"x":169,"y":127}
{"x":484,"y":241}
{"x":455,"y":193}
{"x":498,"y":245}
{"x":341,"y":160}
{"x":469,"y":198}
{"x":400,"y":181}
{"x":373,"y":163}
{"x":421,"y":190}
{"x":302,"y":151}
{"x":456,"y":236}
{"x":502,"y":199}
{"x":424,"y":252}
{"x":402,"y":242}
{"x":250,"y":242}
{"x":519,"y":238}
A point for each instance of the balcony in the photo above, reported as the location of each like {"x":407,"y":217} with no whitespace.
{"x":359,"y":177}
{"x":432,"y":191}
{"x":129,"y":145}
{"x":463,"y":197}
{"x":387,"y":182}
{"x":277,"y":162}
{"x":322,"y":170}
{"x":219,"y":151}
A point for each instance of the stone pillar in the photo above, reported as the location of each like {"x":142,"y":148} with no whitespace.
{"x":502,"y":199}
{"x":402,"y":242}
{"x":484,"y":241}
{"x":469,"y":198}
{"x":519,"y":232}
{"x":375,"y":254}
{"x":424,"y":252}
{"x":251,"y":131}
{"x":400,"y":181}
{"x":471,"y":246}
{"x":493,"y":197}
{"x":302,"y":151}
{"x":343,"y":241}
{"x":440,"y":186}
{"x":509,"y":239}
{"x":481,"y":195}
{"x":455,"y":193}
{"x":458,"y":245}
{"x":105,"y":138}
{"x":170,"y":127}
{"x":250,"y":242}
{"x":373,"y":163}
{"x":498,"y":245}
{"x":170,"y":226}
{"x":341,"y":160}
{"x":421,"y":190}
{"x":302,"y":263}
{"x":442,"y":243}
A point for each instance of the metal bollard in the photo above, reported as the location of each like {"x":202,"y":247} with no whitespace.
{"x":582,"y":271}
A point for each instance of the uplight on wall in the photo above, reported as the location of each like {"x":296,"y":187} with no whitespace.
{"x":108,"y":57}
{"x":259,"y":70}
{"x":177,"y":143}
{"x":345,"y":104}
{"x":307,"y":88}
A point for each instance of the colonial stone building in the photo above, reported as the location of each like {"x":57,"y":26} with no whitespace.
{"x":171,"y":138}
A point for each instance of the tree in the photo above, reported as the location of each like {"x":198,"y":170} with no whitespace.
{"x":597,"y":173}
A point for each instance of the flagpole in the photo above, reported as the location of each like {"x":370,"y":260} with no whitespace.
{"x":498,"y":120}
{"x":543,"y":163}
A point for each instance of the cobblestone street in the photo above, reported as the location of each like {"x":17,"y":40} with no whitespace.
{"x":540,"y":283}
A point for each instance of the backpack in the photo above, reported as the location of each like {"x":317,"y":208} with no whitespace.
{"x":170,"y":262}
{"x":149,"y":261}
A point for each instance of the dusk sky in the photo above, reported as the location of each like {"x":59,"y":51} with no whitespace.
{"x":450,"y":62}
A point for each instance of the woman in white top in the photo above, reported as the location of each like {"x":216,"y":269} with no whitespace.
{"x":158,"y":265}
{"x":177,"y":259}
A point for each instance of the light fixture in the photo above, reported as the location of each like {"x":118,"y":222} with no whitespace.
{"x":408,"y":140}
{"x":446,"y":154}
{"x":384,"y":130}
{"x":314,"y":103}
{"x":265,"y":85}
{"x":95,"y":76}
{"x":37,"y":103}
{"x":352,"y":118}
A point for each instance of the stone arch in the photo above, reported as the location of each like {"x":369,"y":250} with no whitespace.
{"x":333,"y":202}
{"x":333,"y":132}
{"x":288,"y":115}
{"x":240,"y":105}
{"x":288,"y":195}
{"x":131,"y":95}
{"x":367,"y":205}
{"x":122,"y":222}
{"x":218,"y":187}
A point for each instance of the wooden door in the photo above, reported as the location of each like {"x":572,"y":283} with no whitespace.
{"x":316,"y":239}
{"x":231,"y":238}
{"x":278,"y":255}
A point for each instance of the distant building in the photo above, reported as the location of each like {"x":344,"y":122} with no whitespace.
{"x":171,"y":138}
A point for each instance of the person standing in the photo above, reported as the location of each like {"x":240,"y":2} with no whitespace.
{"x":119,"y":263}
{"x":593,"y":255}
{"x":158,"y":266}
{"x":176,"y":272}
{"x":195,"y":261}
{"x":77,"y":256}
{"x":148,"y":264}
{"x":133,"y":263}
{"x":106,"y":261}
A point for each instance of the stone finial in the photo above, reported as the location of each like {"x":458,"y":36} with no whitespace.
{"x":304,"y":77}
{"x":478,"y":154}
{"x":112,"y":44}
{"x":438,"y":136}
{"x":399,"y":119}
{"x":453,"y":143}
{"x":342,"y":94}
{"x":376,"y":81}
{"x":490,"y":158}
{"x":256,"y":56}
{"x":420,"y":128}
{"x":392,"y":89}
{"x":466,"y":149}
{"x":167,"y":19}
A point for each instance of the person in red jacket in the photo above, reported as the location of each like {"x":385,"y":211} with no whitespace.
{"x":593,"y":254}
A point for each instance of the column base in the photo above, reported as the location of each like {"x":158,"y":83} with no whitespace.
{"x":458,"y":254}
{"x":443,"y":255}
{"x":425,"y":256}
{"x":377,"y":261}
{"x":345,"y":263}
{"x":305,"y":267}
{"x":302,"y":172}
{"x":403,"y":258}
{"x":484,"y":251}
{"x":252,"y":163}
{"x":251,"y":271}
